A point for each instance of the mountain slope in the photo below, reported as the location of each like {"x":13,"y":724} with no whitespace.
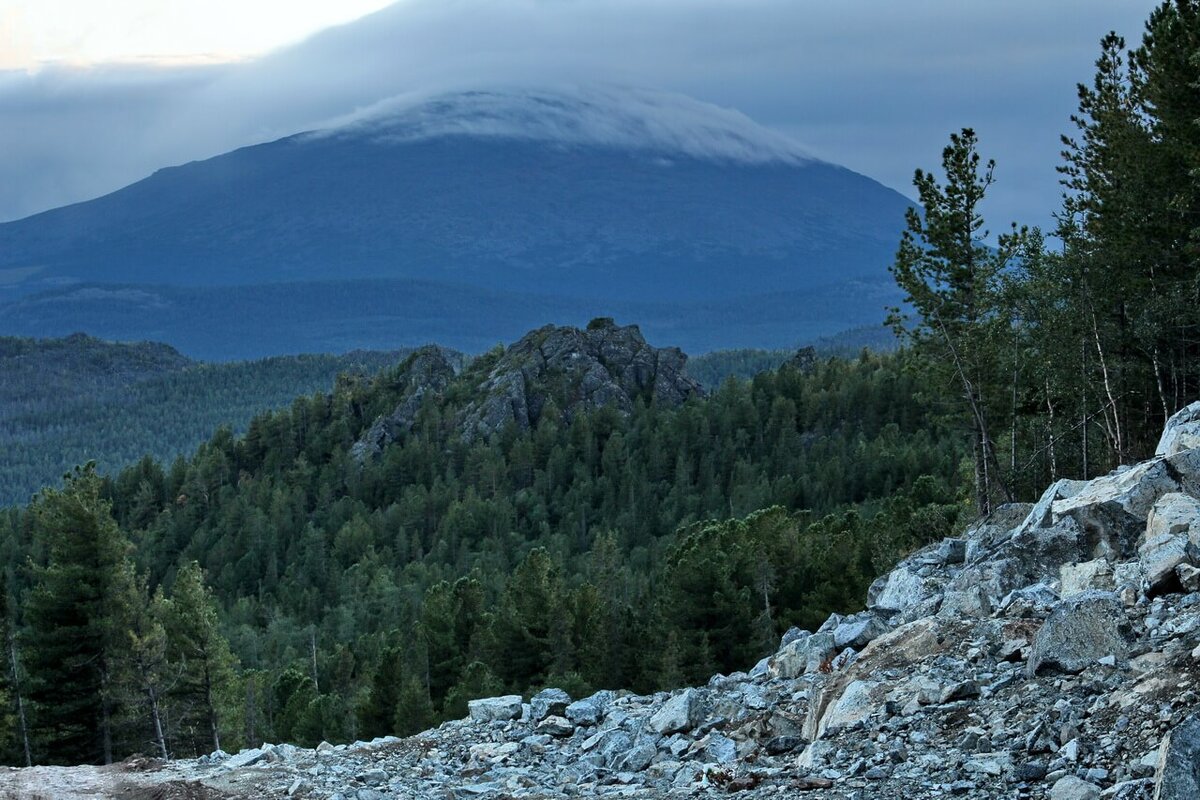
{"x":599,"y":202}
{"x":490,"y":191}
{"x":67,"y":401}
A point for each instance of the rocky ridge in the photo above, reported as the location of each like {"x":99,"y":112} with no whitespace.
{"x":572,"y":369}
{"x":1051,"y":651}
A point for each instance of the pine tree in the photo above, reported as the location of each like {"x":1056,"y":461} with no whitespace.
{"x":78,"y":617}
{"x":951,"y":278}
{"x":200,"y":654}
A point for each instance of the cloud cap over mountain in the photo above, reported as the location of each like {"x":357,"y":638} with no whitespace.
{"x":870,"y":84}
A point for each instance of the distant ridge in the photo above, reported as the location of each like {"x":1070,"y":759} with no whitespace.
{"x":609,"y":201}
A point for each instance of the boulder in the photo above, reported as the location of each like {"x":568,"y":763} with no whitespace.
{"x":1182,"y":431}
{"x":553,"y":725}
{"x":1079,"y":631}
{"x":804,"y":655}
{"x":861,"y":700}
{"x":858,"y":631}
{"x":1079,"y":577}
{"x":548,"y":702}
{"x":903,"y":590}
{"x":1177,"y":774}
{"x":495,"y":709}
{"x":1112,"y":511}
{"x":1174,"y":514}
{"x":1159,"y":556}
{"x":683,"y":712}
{"x":1072,"y":788}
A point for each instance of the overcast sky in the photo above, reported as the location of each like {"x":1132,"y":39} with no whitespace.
{"x":90,"y":102}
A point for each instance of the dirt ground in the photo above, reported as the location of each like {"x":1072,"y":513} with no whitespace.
{"x":140,"y":779}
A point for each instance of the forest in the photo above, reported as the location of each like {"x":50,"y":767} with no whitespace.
{"x":68,"y":401}
{"x":272,"y":587}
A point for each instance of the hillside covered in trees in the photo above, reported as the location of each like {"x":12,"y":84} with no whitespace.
{"x":361,"y":596}
{"x":64,"y":402}
{"x":366,"y":560}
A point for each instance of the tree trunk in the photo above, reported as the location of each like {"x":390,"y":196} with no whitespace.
{"x":22,"y":725}
{"x":212,"y":709}
{"x":156,"y":717}
{"x":105,"y":718}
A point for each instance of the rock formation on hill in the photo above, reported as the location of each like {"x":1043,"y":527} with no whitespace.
{"x":1051,"y":651}
{"x":572,"y":369}
{"x":577,"y":370}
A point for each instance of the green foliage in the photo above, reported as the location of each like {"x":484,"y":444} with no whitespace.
{"x":67,"y":401}
{"x":79,"y":616}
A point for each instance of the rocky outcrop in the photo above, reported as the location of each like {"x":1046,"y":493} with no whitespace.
{"x":576,"y":370}
{"x":568,"y":369}
{"x":1044,"y":654}
{"x":427,"y":372}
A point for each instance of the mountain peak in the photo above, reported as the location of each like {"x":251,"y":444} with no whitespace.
{"x":659,"y":122}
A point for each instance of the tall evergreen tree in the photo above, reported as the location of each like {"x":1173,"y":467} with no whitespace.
{"x":952,"y":279}
{"x":78,"y":617}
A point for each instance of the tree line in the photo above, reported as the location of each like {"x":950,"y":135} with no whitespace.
{"x":1067,"y":360}
{"x":345,"y":600}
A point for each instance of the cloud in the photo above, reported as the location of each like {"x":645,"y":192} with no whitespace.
{"x":626,"y":117}
{"x":874,"y":85}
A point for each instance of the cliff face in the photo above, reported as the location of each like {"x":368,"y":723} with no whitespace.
{"x":576,"y":370}
{"x":1051,"y":651}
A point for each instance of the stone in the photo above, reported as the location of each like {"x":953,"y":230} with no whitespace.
{"x":858,"y":632}
{"x":778,"y":745}
{"x":555,"y":726}
{"x":1188,"y":577}
{"x":804,"y":655}
{"x":903,"y":590}
{"x":683,"y":712}
{"x":719,"y":749}
{"x":1182,"y":431}
{"x":584,"y":713}
{"x":576,"y":371}
{"x":1080,"y":630}
{"x":952,"y":551}
{"x":548,"y":702}
{"x":1072,"y":788}
{"x":495,"y":709}
{"x":246,"y":758}
{"x":374,"y":777}
{"x":1159,"y":556}
{"x":1112,"y":511}
{"x":1081,"y":577}
{"x":1177,"y":775}
{"x":1173,"y":514}
{"x":636,"y":759}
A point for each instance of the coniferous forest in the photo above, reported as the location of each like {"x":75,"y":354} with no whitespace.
{"x":273,"y":587}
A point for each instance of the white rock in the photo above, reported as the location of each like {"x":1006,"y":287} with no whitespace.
{"x":1182,"y":432}
{"x":493,"y":709}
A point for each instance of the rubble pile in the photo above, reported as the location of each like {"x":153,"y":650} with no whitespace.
{"x":1052,"y":651}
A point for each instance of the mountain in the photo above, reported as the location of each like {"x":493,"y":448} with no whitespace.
{"x":598,"y":200}
{"x":67,"y":401}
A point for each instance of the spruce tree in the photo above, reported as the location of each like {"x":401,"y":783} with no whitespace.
{"x":78,"y":618}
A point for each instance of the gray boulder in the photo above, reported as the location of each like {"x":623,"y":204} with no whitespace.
{"x":903,"y":589}
{"x":1079,"y":631}
{"x":1177,"y":775}
{"x":858,"y":631}
{"x":1072,"y":788}
{"x":495,"y":709}
{"x":683,"y":712}
{"x":1078,"y":577}
{"x":548,"y":702}
{"x":1182,"y":432}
